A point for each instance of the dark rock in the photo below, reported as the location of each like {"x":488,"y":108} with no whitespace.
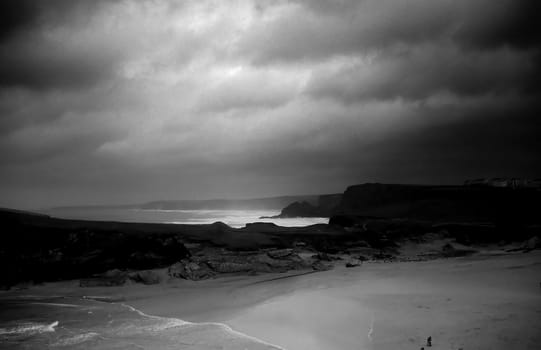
{"x":280,"y":253}
{"x":145,"y":277}
{"x":108,"y":279}
{"x":353,"y":263}
{"x":275,"y":265}
{"x":262,"y":226}
{"x":300,"y":209}
{"x":291,"y":262}
{"x":190,"y":270}
{"x":449,"y":251}
{"x":102,"y":281}
{"x":532,"y":243}
{"x":325,"y":257}
{"x":347,"y":220}
{"x":384,"y":256}
{"x":320,"y":266}
{"x":229,"y":267}
{"x":448,"y":247}
{"x":322,"y":256}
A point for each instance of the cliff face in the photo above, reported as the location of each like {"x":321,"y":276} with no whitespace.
{"x":326,"y":205}
{"x":300,"y":209}
{"x":441,"y":203}
{"x":40,"y":248}
{"x":505,"y":182}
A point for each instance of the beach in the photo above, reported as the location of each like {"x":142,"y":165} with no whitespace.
{"x":487,"y":301}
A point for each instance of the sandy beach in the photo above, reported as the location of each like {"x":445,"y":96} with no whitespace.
{"x":483,"y":302}
{"x":488,"y":301}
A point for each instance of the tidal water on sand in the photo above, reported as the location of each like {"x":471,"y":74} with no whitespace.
{"x":84,"y":323}
{"x":231,"y":217}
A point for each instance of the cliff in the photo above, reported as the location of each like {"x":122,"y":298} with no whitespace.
{"x":324,"y":207}
{"x":442,"y":203}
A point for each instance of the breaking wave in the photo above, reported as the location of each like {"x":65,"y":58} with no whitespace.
{"x":28,"y":329}
{"x":97,"y":322}
{"x":76,"y":339}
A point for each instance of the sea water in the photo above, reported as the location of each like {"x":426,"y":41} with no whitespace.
{"x":233,"y":218}
{"x":84,"y":323}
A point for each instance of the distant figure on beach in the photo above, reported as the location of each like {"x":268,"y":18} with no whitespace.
{"x":429,"y":341}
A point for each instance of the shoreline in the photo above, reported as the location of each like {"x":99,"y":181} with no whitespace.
{"x":355,"y":302}
{"x":471,"y":302}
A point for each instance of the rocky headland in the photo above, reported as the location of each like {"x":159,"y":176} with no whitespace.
{"x":375,"y":222}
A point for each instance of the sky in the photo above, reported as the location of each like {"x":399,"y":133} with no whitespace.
{"x":109,"y":102}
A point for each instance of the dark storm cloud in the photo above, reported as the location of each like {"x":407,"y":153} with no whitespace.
{"x":32,"y":59}
{"x":502,"y":140}
{"x":125,"y":101}
{"x":461,"y":142}
{"x":319,"y":30}
{"x":513,"y":23}
{"x":38,"y":65}
{"x":420,"y":73}
{"x":19,"y":16}
{"x":15,"y":16}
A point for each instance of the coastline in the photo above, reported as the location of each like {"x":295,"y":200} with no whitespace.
{"x":477,"y":302}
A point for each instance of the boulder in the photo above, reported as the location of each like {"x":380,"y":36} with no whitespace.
{"x":145,"y":277}
{"x":449,"y":251}
{"x":532,"y":243}
{"x":109,"y":279}
{"x":354,"y":263}
{"x":320,"y":266}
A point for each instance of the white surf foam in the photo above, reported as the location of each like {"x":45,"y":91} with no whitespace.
{"x":29,"y":329}
{"x":76,"y":339}
{"x":55,"y":304}
{"x":175,"y":322}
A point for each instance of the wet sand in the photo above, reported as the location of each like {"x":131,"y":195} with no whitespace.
{"x":479,"y":302}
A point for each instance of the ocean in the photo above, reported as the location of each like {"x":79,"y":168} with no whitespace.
{"x":34,"y":322}
{"x":233,"y":218}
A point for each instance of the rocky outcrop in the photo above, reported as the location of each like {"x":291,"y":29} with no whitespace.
{"x":468,"y":204}
{"x":300,"y":209}
{"x":100,"y":282}
{"x":190,"y":270}
{"x":320,"y":266}
{"x":326,"y":205}
{"x":230,"y":267}
{"x":322,"y":256}
{"x":280,"y":253}
{"x":532,"y":243}
{"x":353,"y":263}
{"x":214,"y":263}
{"x":145,"y":277}
{"x":514,"y":183}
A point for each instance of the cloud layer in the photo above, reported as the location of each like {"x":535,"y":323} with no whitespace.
{"x":124,"y":101}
